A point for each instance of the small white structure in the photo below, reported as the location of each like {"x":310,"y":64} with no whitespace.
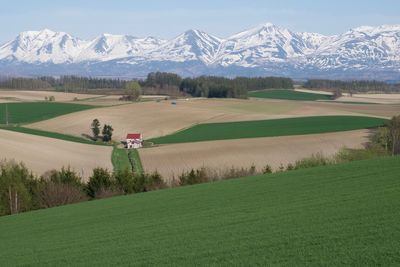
{"x":134,"y":140}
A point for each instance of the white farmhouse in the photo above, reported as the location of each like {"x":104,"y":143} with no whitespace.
{"x":134,"y":140}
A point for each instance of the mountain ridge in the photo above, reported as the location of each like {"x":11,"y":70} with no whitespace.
{"x":267,"y":49}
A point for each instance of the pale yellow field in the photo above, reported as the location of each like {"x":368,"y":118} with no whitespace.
{"x":25,"y":96}
{"x":41,"y":154}
{"x":154,"y":119}
{"x":314,"y":91}
{"x":171,"y":160}
{"x":372,"y":98}
{"x":364,"y":98}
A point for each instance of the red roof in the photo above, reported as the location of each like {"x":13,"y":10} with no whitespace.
{"x":134,"y":136}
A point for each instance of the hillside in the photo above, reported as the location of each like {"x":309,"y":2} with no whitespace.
{"x":338,"y":215}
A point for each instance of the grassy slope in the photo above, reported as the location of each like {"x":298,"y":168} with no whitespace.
{"x":288,"y":95}
{"x":37,"y":111}
{"x":267,"y":128}
{"x":328,"y":216}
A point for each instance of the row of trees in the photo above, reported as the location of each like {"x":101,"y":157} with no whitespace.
{"x":63,"y":83}
{"x":388,"y":137}
{"x":160,"y":82}
{"x":107,"y":131}
{"x":21,"y":191}
{"x":213,"y":86}
{"x":353,"y":86}
{"x":207,"y":86}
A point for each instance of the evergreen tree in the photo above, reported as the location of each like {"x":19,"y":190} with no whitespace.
{"x":107,"y":133}
{"x":95,"y":128}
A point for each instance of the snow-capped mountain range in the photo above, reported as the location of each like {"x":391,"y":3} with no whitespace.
{"x":363,"y":53}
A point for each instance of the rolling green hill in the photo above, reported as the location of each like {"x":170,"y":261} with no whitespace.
{"x":268,"y":128}
{"x":36,"y":111}
{"x":341,"y":215}
{"x":288,"y":95}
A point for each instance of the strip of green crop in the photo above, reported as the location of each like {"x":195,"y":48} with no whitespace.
{"x":29,"y":112}
{"x":120,"y":159}
{"x":269,"y":128}
{"x":288,"y":95}
{"x":60,"y":136}
{"x":137,"y":163}
{"x":123,"y":159}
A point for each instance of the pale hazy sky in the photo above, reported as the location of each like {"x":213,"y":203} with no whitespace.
{"x":166,"y":19}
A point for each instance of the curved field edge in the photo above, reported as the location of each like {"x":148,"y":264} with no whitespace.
{"x":288,"y":95}
{"x":54,"y":135}
{"x":336,"y":215}
{"x":30,"y":112}
{"x":269,"y":128}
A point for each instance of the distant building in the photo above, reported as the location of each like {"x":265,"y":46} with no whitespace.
{"x":134,"y":140}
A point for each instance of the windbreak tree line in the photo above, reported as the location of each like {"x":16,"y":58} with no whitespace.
{"x":212,"y":86}
{"x":204,"y":86}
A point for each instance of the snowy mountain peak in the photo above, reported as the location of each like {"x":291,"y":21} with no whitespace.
{"x":266,"y":48}
{"x":377,"y":29}
{"x":42,"y":46}
{"x":262,"y":30}
{"x":191,"y":45}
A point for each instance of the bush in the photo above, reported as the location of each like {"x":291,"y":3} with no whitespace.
{"x":125,"y":182}
{"x":16,"y":184}
{"x":314,"y":160}
{"x":204,"y":175}
{"x":290,"y":167}
{"x":155,"y":182}
{"x":347,"y":155}
{"x":99,"y":183}
{"x":267,"y":169}
{"x":53,"y":194}
{"x":64,"y":176}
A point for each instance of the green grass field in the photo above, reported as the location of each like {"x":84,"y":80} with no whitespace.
{"x":137,"y":162}
{"x":268,"y":128}
{"x":120,"y":160}
{"x":288,"y":95}
{"x":36,"y":111}
{"x":340,"y":215}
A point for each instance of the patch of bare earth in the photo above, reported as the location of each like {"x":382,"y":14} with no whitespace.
{"x":25,"y":96}
{"x":172,"y":160}
{"x":372,"y":98}
{"x":41,"y":154}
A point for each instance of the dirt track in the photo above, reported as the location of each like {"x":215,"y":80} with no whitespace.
{"x":41,"y":154}
{"x":172,"y":160}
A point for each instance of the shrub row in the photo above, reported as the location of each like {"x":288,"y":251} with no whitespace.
{"x":21,"y":191}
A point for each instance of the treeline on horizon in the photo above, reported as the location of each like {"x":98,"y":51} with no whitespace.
{"x":355,"y":86}
{"x":202,"y":86}
{"x":162,"y":82}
